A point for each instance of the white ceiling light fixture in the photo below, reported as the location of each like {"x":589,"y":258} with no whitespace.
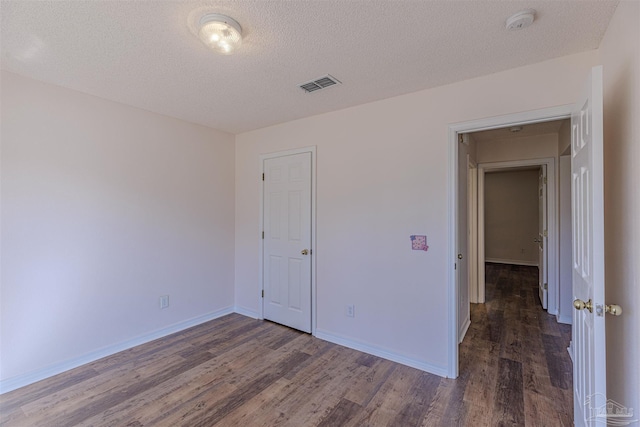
{"x":221,"y":33}
{"x":521,"y":20}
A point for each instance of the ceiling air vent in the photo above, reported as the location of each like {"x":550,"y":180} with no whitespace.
{"x":320,"y":83}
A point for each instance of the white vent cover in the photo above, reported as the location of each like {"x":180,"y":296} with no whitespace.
{"x":320,"y":83}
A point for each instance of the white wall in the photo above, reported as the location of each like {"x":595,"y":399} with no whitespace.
{"x":620,"y":55}
{"x":382,"y":176}
{"x":511,"y":216}
{"x":105,"y":208}
{"x":564,"y":138}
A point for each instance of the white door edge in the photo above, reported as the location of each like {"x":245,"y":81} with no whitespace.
{"x":260,"y":287}
{"x":515,"y":119}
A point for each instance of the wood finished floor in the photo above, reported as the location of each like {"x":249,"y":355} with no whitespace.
{"x":236,"y":371}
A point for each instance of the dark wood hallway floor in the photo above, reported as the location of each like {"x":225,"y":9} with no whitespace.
{"x":236,"y":371}
{"x":514,"y":357}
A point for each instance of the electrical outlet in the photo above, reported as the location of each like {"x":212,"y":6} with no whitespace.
{"x":351,"y":310}
{"x":164,"y":301}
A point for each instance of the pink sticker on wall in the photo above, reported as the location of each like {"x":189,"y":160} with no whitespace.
{"x":419,"y":243}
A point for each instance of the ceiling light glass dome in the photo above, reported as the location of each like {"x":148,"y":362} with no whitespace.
{"x":220,"y":33}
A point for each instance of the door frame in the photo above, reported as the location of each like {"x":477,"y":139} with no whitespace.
{"x":472,"y":208}
{"x":552,"y":224}
{"x":312,"y":248}
{"x":515,"y":119}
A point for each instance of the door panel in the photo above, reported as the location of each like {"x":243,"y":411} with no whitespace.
{"x":587,"y":204}
{"x":287,"y":222}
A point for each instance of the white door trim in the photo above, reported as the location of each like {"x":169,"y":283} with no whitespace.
{"x":527,"y":117}
{"x":552,"y":224}
{"x":263,"y":157}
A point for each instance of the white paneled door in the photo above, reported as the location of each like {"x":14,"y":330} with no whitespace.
{"x":542,"y":237}
{"x":587,"y":205}
{"x":287,"y":240}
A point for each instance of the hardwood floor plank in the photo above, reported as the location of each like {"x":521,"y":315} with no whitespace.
{"x":65,"y":380}
{"x":341,"y":413}
{"x":423,"y":391}
{"x":559,"y":370}
{"x":436,"y":413}
{"x":398,"y":392}
{"x":204,"y":413}
{"x":158,"y":403}
{"x":508,"y":407}
{"x":278,"y":403}
{"x":368,"y":381}
{"x":496,"y":324}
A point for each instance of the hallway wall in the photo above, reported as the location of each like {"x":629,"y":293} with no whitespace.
{"x":511,"y":217}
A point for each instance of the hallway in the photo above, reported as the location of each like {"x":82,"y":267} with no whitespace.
{"x":514,"y":356}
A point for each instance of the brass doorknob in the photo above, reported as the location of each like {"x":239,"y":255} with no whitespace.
{"x":581,"y":305}
{"x":613,"y":309}
{"x":304,"y":252}
{"x":459,"y":256}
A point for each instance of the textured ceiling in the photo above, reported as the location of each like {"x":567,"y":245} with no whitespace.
{"x":143,"y":53}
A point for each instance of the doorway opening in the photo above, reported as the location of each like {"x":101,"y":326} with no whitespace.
{"x":514,"y":285}
{"x":518,"y":220}
{"x":460,"y":292}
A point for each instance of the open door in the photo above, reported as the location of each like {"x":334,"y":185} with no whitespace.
{"x":542,"y":239}
{"x":587,"y":206}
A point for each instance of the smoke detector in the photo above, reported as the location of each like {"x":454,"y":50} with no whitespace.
{"x":520,"y":20}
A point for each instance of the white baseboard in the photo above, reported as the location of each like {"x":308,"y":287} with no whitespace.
{"x":247,"y":312}
{"x":567,"y":320}
{"x":376,"y":351}
{"x":22,"y":380}
{"x":464,"y":330}
{"x":512,"y":261}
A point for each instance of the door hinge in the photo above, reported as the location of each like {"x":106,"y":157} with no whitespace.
{"x":544,"y":233}
{"x":545,"y":286}
{"x":545,"y":180}
{"x":263,"y":177}
{"x":455,"y":266}
{"x":263,"y":293}
{"x":263,"y":234}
